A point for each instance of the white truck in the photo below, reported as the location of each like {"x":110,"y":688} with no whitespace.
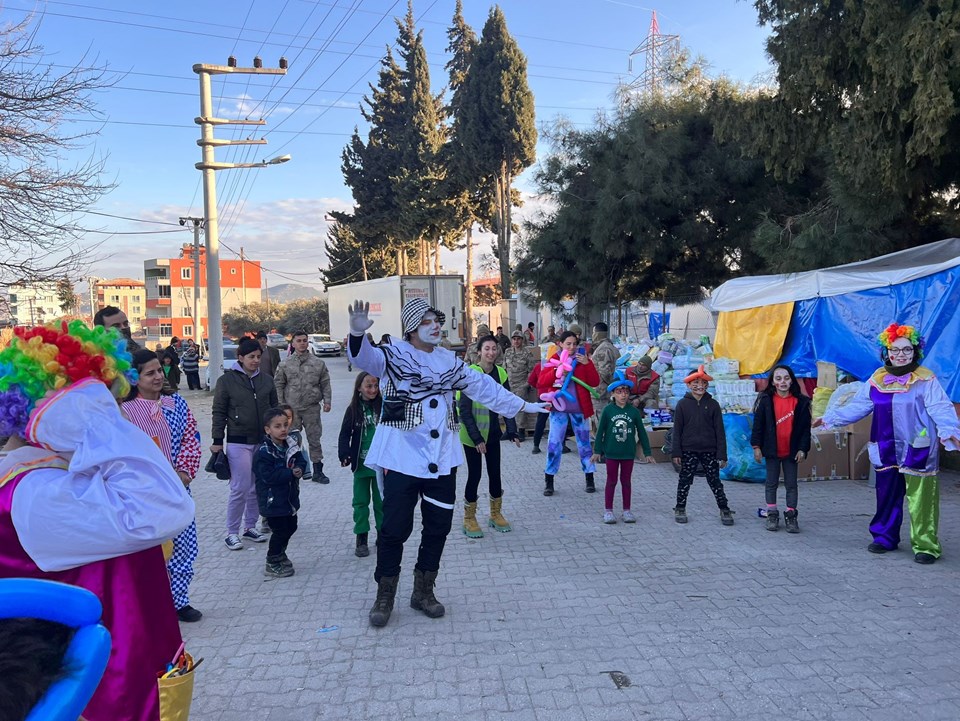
{"x":387,"y":296}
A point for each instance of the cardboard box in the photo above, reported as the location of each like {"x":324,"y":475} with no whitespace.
{"x":829,"y":457}
{"x":826,"y":374}
{"x":857,"y":444}
{"x":657,"y":438}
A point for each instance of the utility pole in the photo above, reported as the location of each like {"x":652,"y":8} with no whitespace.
{"x":197,"y":225}
{"x":92,"y":290}
{"x":243,"y":275}
{"x":266,"y":291}
{"x":209,"y":166}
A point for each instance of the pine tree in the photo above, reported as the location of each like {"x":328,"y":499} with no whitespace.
{"x":498,"y":132}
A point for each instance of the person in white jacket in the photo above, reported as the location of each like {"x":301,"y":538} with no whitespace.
{"x":416,"y":447}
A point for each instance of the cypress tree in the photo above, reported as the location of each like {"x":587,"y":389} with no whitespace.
{"x":417,"y":183}
{"x":498,"y":132}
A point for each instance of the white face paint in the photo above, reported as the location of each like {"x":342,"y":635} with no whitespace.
{"x":429,"y":330}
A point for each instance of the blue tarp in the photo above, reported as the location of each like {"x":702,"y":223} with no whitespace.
{"x":843,"y":329}
{"x":658,"y":323}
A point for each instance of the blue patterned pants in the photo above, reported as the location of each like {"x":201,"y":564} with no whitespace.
{"x":558,"y":430}
{"x":180,"y":565}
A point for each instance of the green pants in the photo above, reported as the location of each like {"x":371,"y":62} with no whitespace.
{"x":923,"y":501}
{"x":365,"y":484}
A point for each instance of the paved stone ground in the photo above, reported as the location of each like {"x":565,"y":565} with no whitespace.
{"x":705,"y":622}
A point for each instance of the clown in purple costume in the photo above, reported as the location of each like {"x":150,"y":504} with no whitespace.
{"x":912,"y":416}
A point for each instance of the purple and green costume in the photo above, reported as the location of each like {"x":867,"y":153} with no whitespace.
{"x":911,"y":417}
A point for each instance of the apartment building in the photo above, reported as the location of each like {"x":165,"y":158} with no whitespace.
{"x":169,"y":284}
{"x":32,"y":303}
{"x":127,"y":294}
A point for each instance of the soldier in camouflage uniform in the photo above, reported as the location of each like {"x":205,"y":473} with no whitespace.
{"x":472,"y":354}
{"x":604,"y":357}
{"x":518,"y":362}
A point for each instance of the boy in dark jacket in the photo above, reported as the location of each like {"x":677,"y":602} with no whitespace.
{"x":277,"y":468}
{"x":699,"y":440}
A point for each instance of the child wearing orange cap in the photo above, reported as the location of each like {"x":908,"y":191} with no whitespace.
{"x":699,"y":440}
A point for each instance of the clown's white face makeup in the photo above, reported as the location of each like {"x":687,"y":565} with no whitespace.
{"x":901,"y":354}
{"x":429,"y":330}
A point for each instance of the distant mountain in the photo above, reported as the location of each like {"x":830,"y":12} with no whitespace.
{"x":288,"y":292}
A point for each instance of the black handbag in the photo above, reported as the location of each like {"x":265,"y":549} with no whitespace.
{"x":219,"y":465}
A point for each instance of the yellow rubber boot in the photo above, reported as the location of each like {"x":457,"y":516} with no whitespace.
{"x":497,"y":521}
{"x":470,"y":526}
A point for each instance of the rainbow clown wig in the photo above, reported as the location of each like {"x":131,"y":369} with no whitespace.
{"x":894,"y":331}
{"x":46,"y":358}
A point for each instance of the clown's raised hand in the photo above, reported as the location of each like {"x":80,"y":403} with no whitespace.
{"x":360,"y":321}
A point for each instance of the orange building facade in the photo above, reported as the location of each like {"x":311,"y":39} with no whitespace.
{"x":169,"y":286}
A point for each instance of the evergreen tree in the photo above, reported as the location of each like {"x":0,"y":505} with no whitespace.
{"x":461,"y":188}
{"x":370,"y":167}
{"x":497,"y":129}
{"x":350,"y":258}
{"x":865,"y":111}
{"x":418,"y":182}
{"x":650,"y":204}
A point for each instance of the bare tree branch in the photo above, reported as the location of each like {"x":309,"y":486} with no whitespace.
{"x":42,"y":192}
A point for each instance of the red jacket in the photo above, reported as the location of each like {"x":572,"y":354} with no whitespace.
{"x":587,"y":373}
{"x":641,"y":385}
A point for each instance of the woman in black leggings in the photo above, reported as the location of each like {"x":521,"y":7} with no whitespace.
{"x":481,"y":435}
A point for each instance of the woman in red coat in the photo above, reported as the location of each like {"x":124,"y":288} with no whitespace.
{"x":577,"y":413}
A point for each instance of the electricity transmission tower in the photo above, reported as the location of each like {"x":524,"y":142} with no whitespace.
{"x":660,"y":53}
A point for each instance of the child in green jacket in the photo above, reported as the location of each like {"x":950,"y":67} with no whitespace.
{"x":618,"y":430}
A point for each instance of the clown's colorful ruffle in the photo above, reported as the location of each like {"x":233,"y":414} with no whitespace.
{"x":46,"y":358}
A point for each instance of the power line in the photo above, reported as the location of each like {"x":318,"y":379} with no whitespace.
{"x":331,"y":74}
{"x":124,"y":217}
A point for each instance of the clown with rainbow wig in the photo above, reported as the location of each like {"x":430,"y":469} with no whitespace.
{"x":912,"y":417}
{"x":86,"y":499}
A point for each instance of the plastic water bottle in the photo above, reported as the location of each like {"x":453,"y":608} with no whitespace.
{"x":761,"y":512}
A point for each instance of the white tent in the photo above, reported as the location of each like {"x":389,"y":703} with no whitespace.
{"x":887,"y":270}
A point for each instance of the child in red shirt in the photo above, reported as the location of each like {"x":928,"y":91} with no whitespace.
{"x":781,"y":435}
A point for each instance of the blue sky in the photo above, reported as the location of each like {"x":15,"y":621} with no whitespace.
{"x":576,"y":49}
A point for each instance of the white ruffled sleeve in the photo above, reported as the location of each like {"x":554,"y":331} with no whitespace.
{"x":119,"y":494}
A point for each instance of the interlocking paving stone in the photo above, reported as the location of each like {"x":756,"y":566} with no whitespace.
{"x":708,"y":623}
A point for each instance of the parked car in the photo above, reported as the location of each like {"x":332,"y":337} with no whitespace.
{"x":277,"y":340}
{"x":226,"y":341}
{"x":229,"y":356}
{"x":323,"y":345}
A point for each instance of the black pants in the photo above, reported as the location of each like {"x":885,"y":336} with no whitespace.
{"x":711,"y":466}
{"x":193,"y":380}
{"x":475,"y":467}
{"x":282,"y":528}
{"x":400,"y":495}
{"x":789,"y":480}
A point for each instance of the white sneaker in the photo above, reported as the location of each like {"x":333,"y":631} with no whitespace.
{"x":233,"y":542}
{"x":628,"y":517}
{"x":608,"y":517}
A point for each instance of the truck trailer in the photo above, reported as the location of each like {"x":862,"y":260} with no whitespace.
{"x":387,"y":296}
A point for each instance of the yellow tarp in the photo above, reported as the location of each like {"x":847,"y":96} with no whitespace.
{"x":753,"y":336}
